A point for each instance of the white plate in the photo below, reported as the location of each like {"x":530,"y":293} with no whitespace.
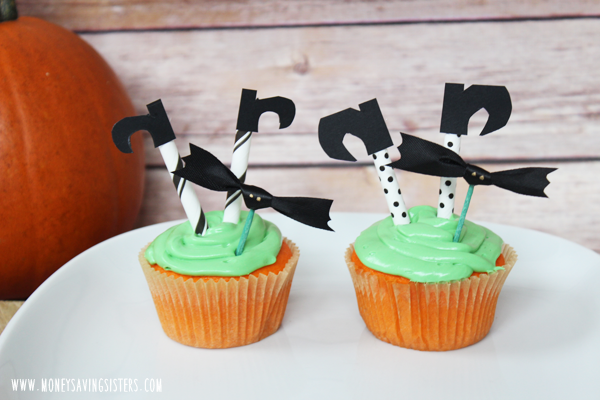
{"x":94,"y":319}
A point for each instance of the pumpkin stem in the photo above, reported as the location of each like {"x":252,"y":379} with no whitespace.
{"x":8,"y":10}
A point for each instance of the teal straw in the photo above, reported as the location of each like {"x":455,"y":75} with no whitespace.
{"x":463,"y":213}
{"x":242,"y":243}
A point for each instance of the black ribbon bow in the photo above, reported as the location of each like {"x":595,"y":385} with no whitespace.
{"x":204,"y":169}
{"x":424,"y":157}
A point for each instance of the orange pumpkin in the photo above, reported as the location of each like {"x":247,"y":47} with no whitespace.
{"x":65,"y":186}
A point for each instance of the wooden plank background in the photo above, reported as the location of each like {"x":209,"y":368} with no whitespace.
{"x":330,"y":55}
{"x":103,"y":15}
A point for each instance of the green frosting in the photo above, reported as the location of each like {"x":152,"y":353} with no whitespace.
{"x":423,"y":251}
{"x":180,"y":250}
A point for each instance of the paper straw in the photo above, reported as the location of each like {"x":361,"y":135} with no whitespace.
{"x":463,"y":214}
{"x":239,"y":166}
{"x":245,"y":232}
{"x":250,"y":110}
{"x":187,"y":196}
{"x":458,"y":108}
{"x":448,"y":185}
{"x":391,"y":189}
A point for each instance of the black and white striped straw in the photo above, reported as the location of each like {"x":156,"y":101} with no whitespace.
{"x":239,"y":166}
{"x":187,"y":195}
{"x":250,"y":110}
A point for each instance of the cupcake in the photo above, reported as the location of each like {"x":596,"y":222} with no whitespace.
{"x":217,"y":281}
{"x":229,"y":286}
{"x":433,"y":284}
{"x":206,"y":296}
{"x":424,"y":278}
{"x":418,"y":289}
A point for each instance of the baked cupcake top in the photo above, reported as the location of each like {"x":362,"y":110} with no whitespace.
{"x":180,"y":250}
{"x":424,"y":251}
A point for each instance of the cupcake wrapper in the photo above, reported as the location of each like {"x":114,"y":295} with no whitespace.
{"x":223,"y":313}
{"x":429,"y":316}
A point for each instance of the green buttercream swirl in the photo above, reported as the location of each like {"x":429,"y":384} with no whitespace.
{"x":180,"y":250}
{"x":423,"y":251}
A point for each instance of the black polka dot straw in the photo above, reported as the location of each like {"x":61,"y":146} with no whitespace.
{"x":392,"y":192}
{"x":459,"y":106}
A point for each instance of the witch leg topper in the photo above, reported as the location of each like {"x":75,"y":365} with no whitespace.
{"x":459,"y":106}
{"x":249,"y":114}
{"x":158,"y":125}
{"x":369,"y":126}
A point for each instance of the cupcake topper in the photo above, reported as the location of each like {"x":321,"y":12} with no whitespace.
{"x":251,"y":108}
{"x":459,"y":106}
{"x":249,"y":113}
{"x":158,"y":125}
{"x":369,"y":126}
{"x":429,"y":158}
{"x":204,"y":169}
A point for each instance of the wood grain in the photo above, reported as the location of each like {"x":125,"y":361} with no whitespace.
{"x":549,"y":67}
{"x":99,"y":15}
{"x":7,"y":311}
{"x":304,"y":149}
{"x":331,"y":55}
{"x":573,"y":196}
